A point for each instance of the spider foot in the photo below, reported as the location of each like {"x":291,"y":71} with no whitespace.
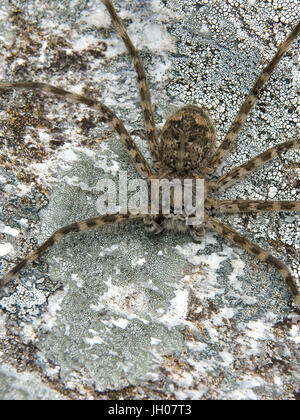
{"x":153,"y":225}
{"x":197,"y":233}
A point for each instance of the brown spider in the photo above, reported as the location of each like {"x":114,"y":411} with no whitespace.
{"x":185,"y":150}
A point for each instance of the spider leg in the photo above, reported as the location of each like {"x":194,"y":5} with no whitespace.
{"x":142,"y":83}
{"x":264,"y":256}
{"x":235,"y":174}
{"x":249,"y":103}
{"x":254,"y":206}
{"x":61,"y":233}
{"x":136,"y":156}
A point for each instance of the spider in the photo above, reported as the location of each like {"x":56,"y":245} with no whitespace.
{"x":186,"y":149}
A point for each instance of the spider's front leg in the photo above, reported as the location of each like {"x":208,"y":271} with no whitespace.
{"x":248,"y":104}
{"x":135,"y":154}
{"x":61,"y":233}
{"x":146,"y":102}
{"x":263,"y":255}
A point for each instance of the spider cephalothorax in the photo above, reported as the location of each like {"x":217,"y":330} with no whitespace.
{"x":186,"y":150}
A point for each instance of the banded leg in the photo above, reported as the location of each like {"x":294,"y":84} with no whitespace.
{"x":254,"y":206}
{"x":264,"y":256}
{"x":235,"y":174}
{"x":142,"y":83}
{"x":136,"y":156}
{"x":61,"y":233}
{"x":249,"y":103}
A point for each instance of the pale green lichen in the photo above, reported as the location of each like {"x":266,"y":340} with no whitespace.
{"x":115,"y":308}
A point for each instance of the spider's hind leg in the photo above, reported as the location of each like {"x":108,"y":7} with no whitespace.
{"x":61,"y":233}
{"x":264,"y":256}
{"x":255,"y":206}
{"x":153,"y":225}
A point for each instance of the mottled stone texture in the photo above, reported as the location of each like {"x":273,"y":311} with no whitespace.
{"x":116,"y":313}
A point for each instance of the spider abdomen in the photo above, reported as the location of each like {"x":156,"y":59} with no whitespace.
{"x":187,"y":139}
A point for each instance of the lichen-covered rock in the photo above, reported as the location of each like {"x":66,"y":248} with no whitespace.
{"x":115,"y":312}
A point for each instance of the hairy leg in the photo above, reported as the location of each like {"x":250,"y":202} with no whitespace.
{"x":61,"y":233}
{"x":249,"y":103}
{"x":254,"y":206}
{"x":136,"y":156}
{"x":236,"y":174}
{"x":142,"y":83}
{"x":264,"y":256}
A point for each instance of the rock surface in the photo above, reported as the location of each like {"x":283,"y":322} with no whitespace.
{"x":116,"y":313}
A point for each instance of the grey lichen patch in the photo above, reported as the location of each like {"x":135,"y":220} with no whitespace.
{"x":216,"y":66}
{"x":24,"y":386}
{"x":18,"y":227}
{"x":117,"y":291}
{"x":115,"y":313}
{"x":31,"y":130}
{"x":24,"y":301}
{"x":17,"y":150}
